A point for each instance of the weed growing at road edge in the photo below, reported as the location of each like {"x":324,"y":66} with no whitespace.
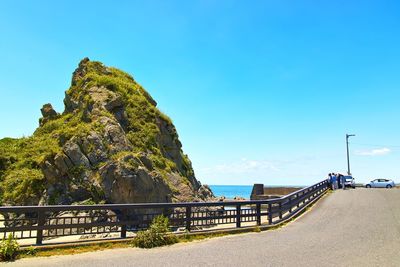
{"x":157,"y":235}
{"x":9,"y":249}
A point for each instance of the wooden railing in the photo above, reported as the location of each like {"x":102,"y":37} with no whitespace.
{"x":42,"y":223}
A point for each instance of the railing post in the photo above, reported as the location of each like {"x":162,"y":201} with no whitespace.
{"x":41,"y":221}
{"x":290,"y":204}
{"x":280,"y":210}
{"x":297,"y":199}
{"x":269,"y":213}
{"x":188,"y":218}
{"x":258,"y":213}
{"x":124,"y":216}
{"x":238,"y":215}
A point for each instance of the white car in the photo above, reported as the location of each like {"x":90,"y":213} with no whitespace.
{"x":349,"y":182}
{"x":383,"y":183}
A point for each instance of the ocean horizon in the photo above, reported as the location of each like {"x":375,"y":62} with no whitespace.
{"x":232,"y":191}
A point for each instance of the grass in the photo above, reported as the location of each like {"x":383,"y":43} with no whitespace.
{"x":78,"y":249}
{"x":30,"y":252}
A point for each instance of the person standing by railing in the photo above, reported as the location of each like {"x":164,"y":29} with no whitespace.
{"x":329,"y":180}
{"x":334,"y":182}
{"x":343,"y":181}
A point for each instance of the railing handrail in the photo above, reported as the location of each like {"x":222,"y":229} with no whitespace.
{"x":277,"y":209}
{"x":150,"y":205}
{"x":302,"y":189}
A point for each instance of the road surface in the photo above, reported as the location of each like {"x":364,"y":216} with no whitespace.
{"x":358,"y":227}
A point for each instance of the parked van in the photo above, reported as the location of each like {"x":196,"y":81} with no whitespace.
{"x":349,"y":182}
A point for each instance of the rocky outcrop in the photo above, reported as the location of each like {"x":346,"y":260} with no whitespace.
{"x":48,"y":113}
{"x":111,"y":144}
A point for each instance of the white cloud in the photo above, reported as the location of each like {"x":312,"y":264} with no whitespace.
{"x":242,"y":166}
{"x":374,"y":152}
{"x":295,"y":170}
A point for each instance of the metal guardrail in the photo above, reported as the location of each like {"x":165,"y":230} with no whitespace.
{"x":47,"y":222}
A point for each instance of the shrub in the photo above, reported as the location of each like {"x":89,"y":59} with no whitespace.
{"x":9,"y":248}
{"x":157,"y":235}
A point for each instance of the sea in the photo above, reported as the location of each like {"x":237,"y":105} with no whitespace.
{"x":231,"y":191}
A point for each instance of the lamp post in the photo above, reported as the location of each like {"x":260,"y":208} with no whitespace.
{"x":347,"y":146}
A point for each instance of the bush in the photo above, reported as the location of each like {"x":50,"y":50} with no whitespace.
{"x":9,"y":248}
{"x":157,"y":235}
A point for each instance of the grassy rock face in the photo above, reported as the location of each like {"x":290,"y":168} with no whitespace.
{"x":111,"y":144}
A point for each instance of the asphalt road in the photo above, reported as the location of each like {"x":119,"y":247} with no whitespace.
{"x":358,"y":227}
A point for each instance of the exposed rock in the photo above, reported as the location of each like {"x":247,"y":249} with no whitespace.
{"x":70,"y":104}
{"x":94,"y":149}
{"x":115,"y":136}
{"x":48,"y":113}
{"x":63,"y":163}
{"x":50,"y":171}
{"x":146,"y":161}
{"x":80,"y":72}
{"x":123,"y":184}
{"x":74,"y":153}
{"x":205,"y":192}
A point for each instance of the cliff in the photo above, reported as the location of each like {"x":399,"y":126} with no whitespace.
{"x":110,"y":145}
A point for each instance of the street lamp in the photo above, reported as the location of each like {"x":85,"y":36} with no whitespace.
{"x":347,"y":146}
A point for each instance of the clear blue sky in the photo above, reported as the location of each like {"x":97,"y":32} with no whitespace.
{"x":260,"y":92}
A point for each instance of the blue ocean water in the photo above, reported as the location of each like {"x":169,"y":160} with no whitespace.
{"x":231,"y":191}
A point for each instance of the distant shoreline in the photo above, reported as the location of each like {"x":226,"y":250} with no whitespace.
{"x":265,"y":185}
{"x":239,"y":191}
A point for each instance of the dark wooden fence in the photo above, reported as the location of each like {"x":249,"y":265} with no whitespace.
{"x":43,"y":223}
